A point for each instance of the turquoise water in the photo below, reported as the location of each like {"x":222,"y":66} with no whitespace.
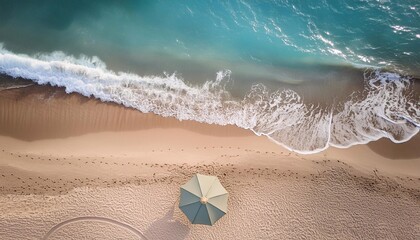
{"x":267,"y":35}
{"x":203,"y":60}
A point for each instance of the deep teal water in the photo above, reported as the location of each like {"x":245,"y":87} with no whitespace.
{"x":267,"y":37}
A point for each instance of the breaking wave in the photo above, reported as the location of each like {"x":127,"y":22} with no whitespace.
{"x":387,"y":107}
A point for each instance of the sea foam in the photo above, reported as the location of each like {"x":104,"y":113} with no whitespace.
{"x":386,"y":107}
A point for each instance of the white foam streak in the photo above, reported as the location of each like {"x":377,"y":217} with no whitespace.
{"x":385,"y":110}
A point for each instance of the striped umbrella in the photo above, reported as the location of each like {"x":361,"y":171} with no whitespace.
{"x":203,"y":199}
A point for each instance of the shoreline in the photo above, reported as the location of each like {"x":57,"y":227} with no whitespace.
{"x":45,"y":113}
{"x":61,"y":133}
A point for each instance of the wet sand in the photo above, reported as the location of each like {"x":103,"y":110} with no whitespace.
{"x":64,"y":156}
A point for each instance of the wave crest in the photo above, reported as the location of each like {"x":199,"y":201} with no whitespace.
{"x":384,"y":109}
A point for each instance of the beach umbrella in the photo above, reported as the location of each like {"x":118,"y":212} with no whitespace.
{"x":203,"y":199}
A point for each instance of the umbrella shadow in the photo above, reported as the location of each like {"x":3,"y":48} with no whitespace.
{"x":167,"y":227}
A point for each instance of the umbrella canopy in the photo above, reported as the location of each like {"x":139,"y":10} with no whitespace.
{"x":203,"y":199}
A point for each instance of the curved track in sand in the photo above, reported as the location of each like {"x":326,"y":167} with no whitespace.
{"x":96,"y":219}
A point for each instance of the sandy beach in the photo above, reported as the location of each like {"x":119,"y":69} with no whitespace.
{"x":73,"y":167}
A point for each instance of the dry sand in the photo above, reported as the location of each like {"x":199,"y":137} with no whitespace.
{"x":91,"y":170}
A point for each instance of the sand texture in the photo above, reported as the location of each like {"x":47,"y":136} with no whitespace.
{"x":75,"y":168}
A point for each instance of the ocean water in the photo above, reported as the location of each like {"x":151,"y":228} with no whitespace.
{"x":306,"y":74}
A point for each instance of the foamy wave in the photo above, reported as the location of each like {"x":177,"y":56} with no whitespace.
{"x":384,"y":109}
